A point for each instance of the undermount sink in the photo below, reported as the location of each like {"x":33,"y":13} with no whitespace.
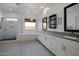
{"x":70,"y":37}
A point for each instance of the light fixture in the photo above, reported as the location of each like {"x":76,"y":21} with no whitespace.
{"x":45,"y":10}
{"x":10,"y":9}
{"x":31,"y":19}
{"x":42,"y":7}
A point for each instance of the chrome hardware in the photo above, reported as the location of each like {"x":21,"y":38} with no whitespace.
{"x":63,"y":48}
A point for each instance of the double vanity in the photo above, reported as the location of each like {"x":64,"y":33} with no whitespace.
{"x":60,"y":44}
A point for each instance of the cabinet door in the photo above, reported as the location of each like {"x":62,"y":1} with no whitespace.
{"x":40,"y":37}
{"x":48,"y":38}
{"x":57,"y":47}
{"x":66,"y":48}
{"x":53,"y":46}
{"x":70,"y":51}
{"x":44,"y":39}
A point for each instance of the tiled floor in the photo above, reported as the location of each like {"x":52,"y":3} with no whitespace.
{"x":27,"y":48}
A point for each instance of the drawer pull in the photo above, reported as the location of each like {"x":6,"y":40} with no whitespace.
{"x":63,"y":48}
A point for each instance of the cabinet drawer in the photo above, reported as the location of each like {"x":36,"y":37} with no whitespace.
{"x":70,"y":51}
{"x":67,"y":42}
{"x":46,"y":41}
{"x":58,"y":48}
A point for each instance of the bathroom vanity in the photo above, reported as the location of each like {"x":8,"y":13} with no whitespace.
{"x":60,"y":44}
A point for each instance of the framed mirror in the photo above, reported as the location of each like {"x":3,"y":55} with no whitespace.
{"x":44,"y":23}
{"x":53,"y":21}
{"x":71,"y":17}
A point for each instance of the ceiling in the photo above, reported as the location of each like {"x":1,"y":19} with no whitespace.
{"x":27,"y":10}
{"x":23,"y":9}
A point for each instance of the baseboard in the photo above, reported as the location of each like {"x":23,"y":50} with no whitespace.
{"x":8,"y":39}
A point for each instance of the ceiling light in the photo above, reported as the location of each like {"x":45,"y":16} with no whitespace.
{"x":10,"y":9}
{"x":42,"y":7}
{"x":45,"y":10}
{"x":31,"y":19}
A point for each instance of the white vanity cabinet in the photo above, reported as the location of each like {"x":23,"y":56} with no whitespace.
{"x":40,"y":37}
{"x":44,"y":39}
{"x":64,"y":47}
{"x":48,"y":41}
{"x":56,"y":47}
{"x":59,"y":46}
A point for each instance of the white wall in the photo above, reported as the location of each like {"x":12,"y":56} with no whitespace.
{"x":56,"y":8}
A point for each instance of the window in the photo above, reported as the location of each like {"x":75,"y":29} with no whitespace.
{"x":29,"y":25}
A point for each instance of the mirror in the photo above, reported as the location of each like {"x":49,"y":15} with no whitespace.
{"x":44,"y":23}
{"x":53,"y":21}
{"x":71,"y":17}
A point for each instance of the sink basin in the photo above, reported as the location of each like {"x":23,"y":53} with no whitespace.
{"x":70,"y":37}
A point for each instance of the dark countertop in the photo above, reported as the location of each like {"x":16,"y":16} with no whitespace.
{"x":62,"y":34}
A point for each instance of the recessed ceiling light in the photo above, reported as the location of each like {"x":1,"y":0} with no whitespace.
{"x":42,"y":7}
{"x":10,"y":9}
